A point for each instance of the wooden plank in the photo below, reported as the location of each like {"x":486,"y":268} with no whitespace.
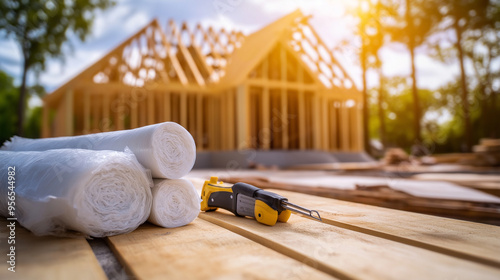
{"x":348,"y":254}
{"x":242,"y":109}
{"x":359,"y":113}
{"x":48,"y":257}
{"x":45,"y":121}
{"x":316,"y":121}
{"x":183,"y":105}
{"x":151,"y":106}
{"x":105,"y":121}
{"x":334,"y":129}
{"x":86,"y":112}
{"x":166,"y":107}
{"x":202,"y":250}
{"x":266,"y":119}
{"x":69,"y":116}
{"x":199,"y":122}
{"x":489,"y":142}
{"x":344,"y":127}
{"x":461,"y":239}
{"x":324,"y":124}
{"x":231,"y":122}
{"x":134,"y":117}
{"x":285,"y":121}
{"x":120,"y":112}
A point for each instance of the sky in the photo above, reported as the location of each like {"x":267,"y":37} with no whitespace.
{"x":116,"y":24}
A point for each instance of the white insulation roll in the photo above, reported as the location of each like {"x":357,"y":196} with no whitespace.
{"x":167,"y":149}
{"x":97,"y":193}
{"x":175,"y":203}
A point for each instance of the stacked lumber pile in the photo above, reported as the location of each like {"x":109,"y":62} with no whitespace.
{"x":395,"y":156}
{"x":487,"y":152}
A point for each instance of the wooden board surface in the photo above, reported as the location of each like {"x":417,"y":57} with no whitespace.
{"x":202,"y":250}
{"x":473,"y":241}
{"x":358,"y":241}
{"x":48,"y":257}
{"x":349,"y":254}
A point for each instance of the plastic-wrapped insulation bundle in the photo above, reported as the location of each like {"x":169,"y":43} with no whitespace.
{"x":97,"y":193}
{"x":167,"y":149}
{"x":175,"y":203}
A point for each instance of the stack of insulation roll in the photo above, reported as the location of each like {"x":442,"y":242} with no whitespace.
{"x":100,"y":184}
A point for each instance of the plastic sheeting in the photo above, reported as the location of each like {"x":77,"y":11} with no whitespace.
{"x":175,"y":203}
{"x":97,"y":193}
{"x":167,"y":149}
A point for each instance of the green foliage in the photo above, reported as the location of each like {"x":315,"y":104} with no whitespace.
{"x":8,"y":101}
{"x":9,"y":98}
{"x":42,"y":27}
{"x":443,"y":122}
{"x":33,"y":126}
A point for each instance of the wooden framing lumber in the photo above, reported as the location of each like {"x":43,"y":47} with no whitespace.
{"x":69,"y":115}
{"x":242,"y":108}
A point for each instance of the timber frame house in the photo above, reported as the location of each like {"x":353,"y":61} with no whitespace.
{"x":279,"y":88}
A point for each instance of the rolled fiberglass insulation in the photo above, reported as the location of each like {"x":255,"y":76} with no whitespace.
{"x":167,"y":149}
{"x":175,"y":203}
{"x":97,"y":193}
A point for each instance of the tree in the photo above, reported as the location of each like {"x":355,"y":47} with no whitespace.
{"x":481,"y":47}
{"x":412,"y":27}
{"x":41,"y":28}
{"x":464,"y":16}
{"x":9,"y":99}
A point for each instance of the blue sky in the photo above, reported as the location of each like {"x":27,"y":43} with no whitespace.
{"x":121,"y":21}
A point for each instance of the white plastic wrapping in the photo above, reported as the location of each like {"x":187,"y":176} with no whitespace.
{"x":175,"y":203}
{"x":97,"y":193}
{"x":167,"y":149}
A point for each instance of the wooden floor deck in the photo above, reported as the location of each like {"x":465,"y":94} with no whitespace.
{"x":356,"y":241}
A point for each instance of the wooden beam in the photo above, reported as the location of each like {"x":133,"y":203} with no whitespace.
{"x":316,"y":122}
{"x":284,"y":100}
{"x":120,"y":112}
{"x":199,"y":122}
{"x":134,"y":117}
{"x":166,"y":107}
{"x":150,"y":98}
{"x":359,"y":112}
{"x":69,"y":115}
{"x":231,"y":123}
{"x":265,"y":134}
{"x":187,"y":56}
{"x":105,"y":122}
{"x":243,"y":126}
{"x":344,"y":124}
{"x":86,"y":112}
{"x":324,"y":124}
{"x":301,"y":109}
{"x":46,"y":121}
{"x":183,"y":105}
{"x":334,"y":129}
{"x":259,"y":82}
